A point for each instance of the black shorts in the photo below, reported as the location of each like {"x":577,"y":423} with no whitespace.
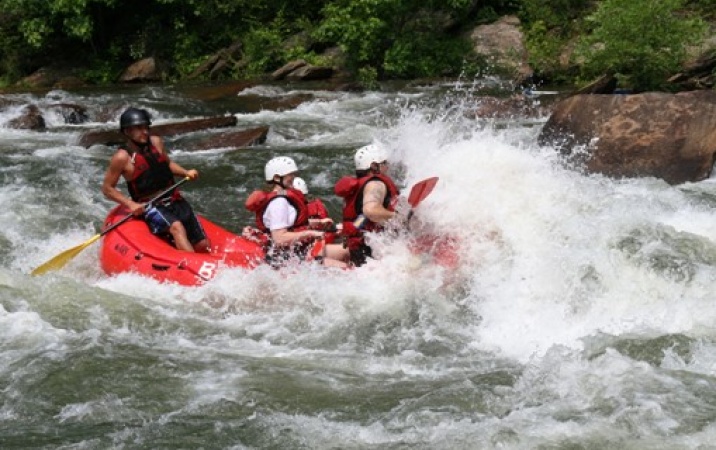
{"x":360,"y":255}
{"x":161,"y":215}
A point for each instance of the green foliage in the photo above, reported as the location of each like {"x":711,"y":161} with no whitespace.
{"x":706,"y":8}
{"x":368,"y":77}
{"x":548,"y":28}
{"x":40,"y":20}
{"x":703,"y":3}
{"x":181,"y":31}
{"x":399,"y":38}
{"x":263,"y":48}
{"x":642,"y":41}
{"x":487,"y":15}
{"x":555,"y":14}
{"x":359,"y":27}
{"x":186,"y":58}
{"x":34,"y":31}
{"x":424,"y":56}
{"x":101,"y":72}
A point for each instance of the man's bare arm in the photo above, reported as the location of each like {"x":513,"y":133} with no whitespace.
{"x":111,"y":178}
{"x":373,"y":196}
{"x":283,"y":237}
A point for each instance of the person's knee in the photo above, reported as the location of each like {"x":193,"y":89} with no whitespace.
{"x":203,"y":246}
{"x":337,"y":252}
{"x":177,"y":228}
{"x":330,"y":262}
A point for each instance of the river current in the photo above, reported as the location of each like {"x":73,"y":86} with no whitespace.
{"x":581,"y":314}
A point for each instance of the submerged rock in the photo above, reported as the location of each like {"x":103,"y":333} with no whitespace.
{"x":234,"y":139}
{"x":31,"y":119}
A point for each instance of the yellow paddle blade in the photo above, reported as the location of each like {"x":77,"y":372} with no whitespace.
{"x":59,"y":261}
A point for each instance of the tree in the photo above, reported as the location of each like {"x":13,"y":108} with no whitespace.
{"x":549,"y":27}
{"x":641,"y":41}
{"x":398,"y":38}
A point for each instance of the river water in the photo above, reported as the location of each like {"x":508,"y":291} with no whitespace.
{"x":581,"y":314}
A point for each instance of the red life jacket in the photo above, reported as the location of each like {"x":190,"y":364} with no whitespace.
{"x":316,"y":209}
{"x":258,"y":201}
{"x":151,"y":174}
{"x":351,"y":189}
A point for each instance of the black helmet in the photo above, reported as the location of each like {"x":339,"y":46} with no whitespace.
{"x":134,"y":116}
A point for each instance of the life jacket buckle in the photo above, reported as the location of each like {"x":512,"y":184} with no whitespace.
{"x":166,"y":201}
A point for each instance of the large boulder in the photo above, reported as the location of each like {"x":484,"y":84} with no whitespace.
{"x":41,"y":78}
{"x":30,"y":119}
{"x":144,"y":70}
{"x":310,"y":72}
{"x":502,"y":43}
{"x":71,"y":113}
{"x":300,"y":70}
{"x":220,"y":63}
{"x":668,"y":136}
{"x":283,"y":71}
{"x":697,"y":74}
{"x":517,"y":106}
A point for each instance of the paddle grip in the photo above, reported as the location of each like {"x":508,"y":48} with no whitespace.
{"x":149,"y":203}
{"x":168,"y":190}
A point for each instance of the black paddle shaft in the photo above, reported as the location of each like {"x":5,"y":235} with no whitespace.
{"x":156,"y":197}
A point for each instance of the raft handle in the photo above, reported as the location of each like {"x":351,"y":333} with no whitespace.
{"x":160,"y":267}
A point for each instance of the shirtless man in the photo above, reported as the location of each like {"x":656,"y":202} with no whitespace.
{"x":148,"y":170}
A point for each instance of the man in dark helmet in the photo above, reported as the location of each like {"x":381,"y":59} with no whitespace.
{"x":148,"y":170}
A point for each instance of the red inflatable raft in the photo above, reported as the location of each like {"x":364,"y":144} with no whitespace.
{"x":132,"y":248}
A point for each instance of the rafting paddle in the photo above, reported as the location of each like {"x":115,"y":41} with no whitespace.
{"x":63,"y":258}
{"x":419,"y":192}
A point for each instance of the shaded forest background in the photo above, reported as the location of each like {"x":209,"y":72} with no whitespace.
{"x":643,"y":42}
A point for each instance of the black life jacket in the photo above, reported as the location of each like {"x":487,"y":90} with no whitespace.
{"x":151,"y":174}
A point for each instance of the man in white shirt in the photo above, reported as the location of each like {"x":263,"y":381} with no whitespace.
{"x":283,"y":214}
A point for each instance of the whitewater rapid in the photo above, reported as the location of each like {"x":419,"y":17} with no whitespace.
{"x":580,"y":313}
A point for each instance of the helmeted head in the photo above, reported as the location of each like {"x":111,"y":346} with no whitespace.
{"x":279,"y":166}
{"x":300,"y":184}
{"x":369,"y":154}
{"x":133,"y":117}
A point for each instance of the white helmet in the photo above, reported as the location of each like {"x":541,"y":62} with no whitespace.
{"x":281,"y":166}
{"x":299,"y":184}
{"x":373,"y":153}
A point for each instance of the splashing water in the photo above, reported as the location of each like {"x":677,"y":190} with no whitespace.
{"x":579,"y":314}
